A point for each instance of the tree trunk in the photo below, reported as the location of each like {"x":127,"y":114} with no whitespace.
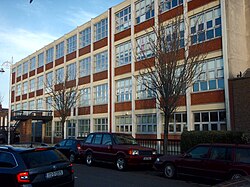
{"x":165,"y":143}
{"x":63,"y":123}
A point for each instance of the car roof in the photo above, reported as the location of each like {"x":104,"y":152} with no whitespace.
{"x":22,"y":149}
{"x":225,"y":144}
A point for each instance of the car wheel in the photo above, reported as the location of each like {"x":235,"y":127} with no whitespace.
{"x":169,"y":171}
{"x":89,"y":159}
{"x":236,"y":176}
{"x":121,"y":163}
{"x":72,"y":157}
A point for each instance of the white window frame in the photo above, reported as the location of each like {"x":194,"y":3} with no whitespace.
{"x":144,"y":46}
{"x":60,"y":50}
{"x":123,"y":54}
{"x":50,"y":55}
{"x":101,"y":125}
{"x":123,"y":19}
{"x":85,"y":97}
{"x":101,"y":29}
{"x":85,"y":37}
{"x":124,"y":90}
{"x":123,"y":124}
{"x":40,"y":60}
{"x":101,"y":94}
{"x":85,"y":67}
{"x":142,"y":8}
{"x":71,"y":44}
{"x":71,"y":72}
{"x":145,"y":125}
{"x":101,"y":61}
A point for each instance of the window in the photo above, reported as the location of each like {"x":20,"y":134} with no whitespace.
{"x":106,"y":139}
{"x":208,"y":121}
{"x":101,"y":125}
{"x":58,"y":129}
{"x":178,"y":123}
{"x":18,"y":89}
{"x":18,"y":106}
{"x":39,"y":104}
{"x":85,"y":67}
{"x":59,"y":76}
{"x":85,"y":97}
{"x":124,"y":90}
{"x":25,"y":87}
{"x":31,"y":105}
{"x":101,"y":61}
{"x":243,"y":155}
{"x":166,"y":5}
{"x":32,"y":85}
{"x":7,"y":160}
{"x":50,"y":55}
{"x":146,"y":123}
{"x":221,"y":153}
{"x":101,"y":29}
{"x":199,"y":152}
{"x":123,"y":53}
{"x":71,"y":44}
{"x":123,"y":124}
{"x":85,"y":37}
{"x":49,"y":79}
{"x":101,"y":94}
{"x":40,"y":82}
{"x":71,"y":129}
{"x":144,"y":10}
{"x":123,"y":19}
{"x":48,"y":129}
{"x":71,"y":72}
{"x":97,"y":139}
{"x":25,"y":67}
{"x":83,"y":127}
{"x":40,"y":60}
{"x":32,"y":63}
{"x":19,"y":70}
{"x":49,"y":103}
{"x":205,"y":26}
{"x":211,"y":76}
{"x":144,"y":46}
{"x":174,"y":35}
{"x":60,"y":50}
{"x":142,"y":90}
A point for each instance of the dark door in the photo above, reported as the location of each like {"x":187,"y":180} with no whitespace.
{"x":193,"y":162}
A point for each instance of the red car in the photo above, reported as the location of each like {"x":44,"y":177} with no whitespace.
{"x":117,"y":148}
{"x":214,"y":161}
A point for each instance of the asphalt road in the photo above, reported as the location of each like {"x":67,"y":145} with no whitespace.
{"x":108,"y":176}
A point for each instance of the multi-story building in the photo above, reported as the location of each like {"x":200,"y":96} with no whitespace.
{"x":100,"y":58}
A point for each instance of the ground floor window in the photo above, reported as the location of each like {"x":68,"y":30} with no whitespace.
{"x":178,"y":122}
{"x":210,"y":121}
{"x":146,"y":123}
{"x":83,"y":127}
{"x":123,"y":124}
{"x":48,"y":129}
{"x":101,"y":125}
{"x":71,"y":128}
{"x":58,"y":129}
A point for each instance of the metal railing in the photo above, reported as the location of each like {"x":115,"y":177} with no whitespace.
{"x":173,"y":145}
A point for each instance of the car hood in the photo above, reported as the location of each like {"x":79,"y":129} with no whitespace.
{"x":137,"y":147}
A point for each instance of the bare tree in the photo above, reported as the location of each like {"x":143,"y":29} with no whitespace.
{"x":175,"y":66}
{"x":62,"y":97}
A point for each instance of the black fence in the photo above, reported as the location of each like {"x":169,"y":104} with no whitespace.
{"x":174,"y":147}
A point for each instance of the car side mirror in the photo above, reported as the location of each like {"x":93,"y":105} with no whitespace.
{"x":187,"y":155}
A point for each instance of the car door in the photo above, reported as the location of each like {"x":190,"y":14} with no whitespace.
{"x":193,"y":162}
{"x":61,"y":147}
{"x":96,"y":146}
{"x":106,"y":148}
{"x":219,"y":163}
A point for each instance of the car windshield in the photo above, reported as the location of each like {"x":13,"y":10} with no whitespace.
{"x":124,"y":139}
{"x":35,"y":159}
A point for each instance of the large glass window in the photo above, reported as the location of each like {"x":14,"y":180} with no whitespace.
{"x":144,"y":10}
{"x":19,"y":70}
{"x":209,"y":121}
{"x":40,"y":60}
{"x":123,"y":19}
{"x":85,"y":37}
{"x":174,"y":36}
{"x":211,"y":76}
{"x":166,"y":5}
{"x":48,"y":129}
{"x":144,"y":46}
{"x":143,"y":90}
{"x":39,"y":104}
{"x":18,"y":89}
{"x":31,"y":105}
{"x":58,"y":129}
{"x":50,"y":55}
{"x":123,"y":124}
{"x":206,"y":26}
{"x":101,"y":125}
{"x":32,"y":85}
{"x":25,"y":67}
{"x":32,"y":63}
{"x":59,"y":75}
{"x":101,"y":29}
{"x":124,"y":90}
{"x":60,"y":50}
{"x":123,"y":53}
{"x":71,"y":44}
{"x":25,"y":87}
{"x":177,"y":123}
{"x":40,"y":82}
{"x":101,"y":94}
{"x":146,"y":123}
{"x":71,"y":71}
{"x":101,"y":61}
{"x":85,"y":97}
{"x":83,"y":127}
{"x":49,"y":79}
{"x":85,"y":67}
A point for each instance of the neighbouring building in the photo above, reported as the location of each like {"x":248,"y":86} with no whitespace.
{"x":99,"y":57}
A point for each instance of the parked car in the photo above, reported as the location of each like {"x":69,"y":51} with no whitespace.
{"x":43,"y":166}
{"x":214,"y":161}
{"x":117,"y":148}
{"x":71,"y":148}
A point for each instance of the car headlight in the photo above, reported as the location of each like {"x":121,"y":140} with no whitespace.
{"x":154,"y":152}
{"x":134,"y":152}
{"x":158,"y":160}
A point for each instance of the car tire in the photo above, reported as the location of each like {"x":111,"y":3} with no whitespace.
{"x":236,"y":175}
{"x":169,"y":171}
{"x":72,"y":157}
{"x":120,"y":163}
{"x":89,"y":159}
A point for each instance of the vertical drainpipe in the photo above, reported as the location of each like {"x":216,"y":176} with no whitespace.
{"x":225,"y":60}
{"x":77,"y":83}
{"x":186,"y":40}
{"x":110,"y":74}
{"x":91,"y":125}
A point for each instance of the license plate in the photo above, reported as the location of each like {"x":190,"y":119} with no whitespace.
{"x":54,"y":174}
{"x":147,"y":158}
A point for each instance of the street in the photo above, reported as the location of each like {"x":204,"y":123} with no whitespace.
{"x":108,"y":176}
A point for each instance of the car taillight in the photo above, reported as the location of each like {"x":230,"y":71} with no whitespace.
{"x":71,"y":168}
{"x":78,"y":146}
{"x":23,"y":177}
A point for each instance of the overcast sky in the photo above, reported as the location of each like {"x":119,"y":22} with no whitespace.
{"x":25,"y":27}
